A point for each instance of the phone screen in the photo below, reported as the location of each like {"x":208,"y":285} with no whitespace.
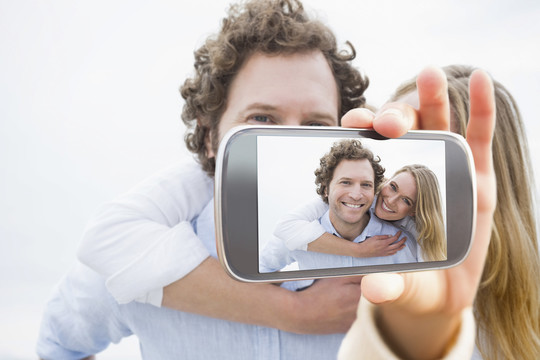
{"x":351,"y":207}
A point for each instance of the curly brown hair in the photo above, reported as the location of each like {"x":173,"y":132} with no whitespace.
{"x":348,"y":149}
{"x":271,"y":27}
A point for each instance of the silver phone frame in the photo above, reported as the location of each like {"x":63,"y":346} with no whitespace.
{"x":221,"y":163}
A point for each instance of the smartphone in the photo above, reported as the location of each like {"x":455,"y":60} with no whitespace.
{"x":271,"y":200}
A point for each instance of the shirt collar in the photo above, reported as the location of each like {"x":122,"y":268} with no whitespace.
{"x":373,"y":227}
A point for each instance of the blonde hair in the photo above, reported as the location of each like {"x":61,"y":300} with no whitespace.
{"x":507,"y":304}
{"x":428,"y":212}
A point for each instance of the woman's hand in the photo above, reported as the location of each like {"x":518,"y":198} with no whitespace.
{"x":381,"y":245}
{"x":396,"y":118}
{"x":419,"y":312}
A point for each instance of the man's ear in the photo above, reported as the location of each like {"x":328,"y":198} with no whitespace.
{"x":208,"y":145}
{"x":208,"y":135}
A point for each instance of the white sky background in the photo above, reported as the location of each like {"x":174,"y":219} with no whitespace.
{"x":90,"y":106}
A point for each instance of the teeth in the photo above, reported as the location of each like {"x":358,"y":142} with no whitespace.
{"x":354,"y":206}
{"x":386,"y":207}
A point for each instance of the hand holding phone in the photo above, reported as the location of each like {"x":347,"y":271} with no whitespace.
{"x":434,"y":301}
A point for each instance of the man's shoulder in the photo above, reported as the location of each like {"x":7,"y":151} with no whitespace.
{"x":183,"y":175}
{"x":185,"y":168}
{"x":178,"y":192}
{"x":325,"y":222}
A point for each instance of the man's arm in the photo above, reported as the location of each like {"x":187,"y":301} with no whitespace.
{"x":328,"y":306}
{"x":152,"y":221}
{"x":80,"y":319}
{"x":140,"y":244}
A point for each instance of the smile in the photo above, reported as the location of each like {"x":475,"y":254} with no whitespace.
{"x":386,"y":208}
{"x":353,"y":206}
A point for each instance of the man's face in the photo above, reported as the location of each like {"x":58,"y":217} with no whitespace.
{"x":297,"y":89}
{"x":350,"y":194}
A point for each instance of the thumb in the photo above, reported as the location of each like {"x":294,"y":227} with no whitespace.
{"x":382,"y":288}
{"x":416,"y":292}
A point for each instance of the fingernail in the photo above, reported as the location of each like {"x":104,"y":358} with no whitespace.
{"x":367,"y":111}
{"x":393,"y":112}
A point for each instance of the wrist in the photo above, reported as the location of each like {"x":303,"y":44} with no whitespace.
{"x":291,"y":316}
{"x":303,"y":314}
{"x":360,"y":250}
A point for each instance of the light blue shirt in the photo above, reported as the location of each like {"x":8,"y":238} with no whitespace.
{"x":315,"y":260}
{"x":82,"y":318}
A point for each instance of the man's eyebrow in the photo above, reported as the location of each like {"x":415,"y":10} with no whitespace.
{"x":260,"y":106}
{"x":257,"y":106}
{"x":321,"y":115}
{"x":350,"y":178}
{"x":268,"y":107}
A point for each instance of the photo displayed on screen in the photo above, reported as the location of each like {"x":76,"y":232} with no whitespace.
{"x":335,"y":202}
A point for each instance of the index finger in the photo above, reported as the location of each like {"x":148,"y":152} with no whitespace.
{"x":430,"y":111}
{"x":392,"y":120}
{"x":434,"y":105}
{"x":481,"y":119}
{"x":480,"y":131}
{"x":395,"y":119}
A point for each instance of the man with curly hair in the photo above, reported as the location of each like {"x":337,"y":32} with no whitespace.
{"x":153,"y":249}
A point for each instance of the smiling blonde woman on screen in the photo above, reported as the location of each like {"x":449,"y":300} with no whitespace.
{"x":427,"y":211}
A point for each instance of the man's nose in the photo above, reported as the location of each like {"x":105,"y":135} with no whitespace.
{"x":355,"y":193}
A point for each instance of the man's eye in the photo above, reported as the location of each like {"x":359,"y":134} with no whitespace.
{"x":259,"y":119}
{"x":316,"y":124}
